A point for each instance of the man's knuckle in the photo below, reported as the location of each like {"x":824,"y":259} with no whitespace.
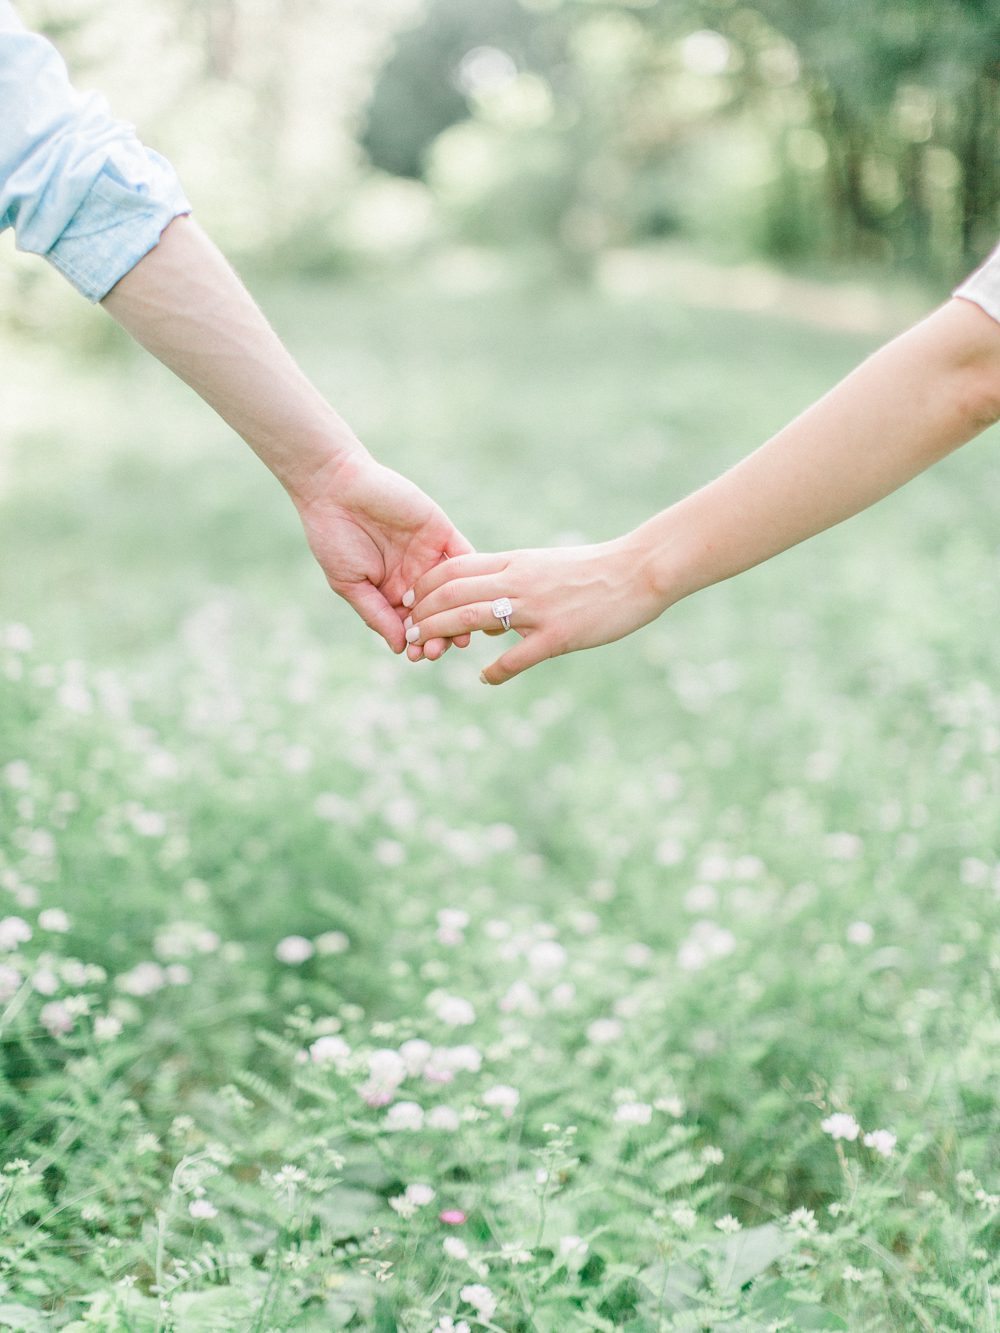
{"x":469,"y":617}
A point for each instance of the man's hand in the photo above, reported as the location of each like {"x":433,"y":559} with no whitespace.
{"x":374,"y":534}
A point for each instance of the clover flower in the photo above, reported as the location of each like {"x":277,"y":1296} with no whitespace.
{"x":882,"y":1140}
{"x":840,"y":1125}
{"x":502,"y":1096}
{"x":443,"y":1118}
{"x":404,"y":1116}
{"x":329,"y":1049}
{"x":14,"y":930}
{"x":54,"y":919}
{"x":480,"y":1298}
{"x":294,"y":949}
{"x":633,"y":1113}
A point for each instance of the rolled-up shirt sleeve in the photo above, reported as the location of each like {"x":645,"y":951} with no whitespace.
{"x":983,"y":286}
{"x":76,"y":185}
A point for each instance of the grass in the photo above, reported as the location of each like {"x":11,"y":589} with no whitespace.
{"x":715,"y":884}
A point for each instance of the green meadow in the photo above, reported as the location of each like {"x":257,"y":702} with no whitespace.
{"x":655,"y":990}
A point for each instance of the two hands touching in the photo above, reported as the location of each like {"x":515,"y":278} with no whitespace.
{"x":392,"y":553}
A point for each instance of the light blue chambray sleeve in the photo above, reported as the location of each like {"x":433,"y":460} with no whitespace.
{"x":76,"y":185}
{"x":983,"y":286}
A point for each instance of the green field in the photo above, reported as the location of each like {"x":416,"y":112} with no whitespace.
{"x":713,"y":884}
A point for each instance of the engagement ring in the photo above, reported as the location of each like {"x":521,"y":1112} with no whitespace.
{"x":502,"y":609}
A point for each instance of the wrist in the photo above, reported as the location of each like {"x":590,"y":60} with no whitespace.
{"x":660,"y":561}
{"x":321,"y":466}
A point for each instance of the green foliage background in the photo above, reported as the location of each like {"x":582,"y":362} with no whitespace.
{"x":315,"y":133}
{"x":561,"y":263}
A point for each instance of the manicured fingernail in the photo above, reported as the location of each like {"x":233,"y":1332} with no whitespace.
{"x":407,"y":622}
{"x":409,"y":597}
{"x":413,"y":634}
{"x":482,"y":677}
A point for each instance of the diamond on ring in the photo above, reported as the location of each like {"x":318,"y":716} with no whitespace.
{"x":503,"y":610}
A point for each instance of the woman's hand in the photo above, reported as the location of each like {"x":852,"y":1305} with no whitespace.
{"x":562,"y":599}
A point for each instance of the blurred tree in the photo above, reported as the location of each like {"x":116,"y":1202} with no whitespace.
{"x":800,"y":128}
{"x":816,"y":126}
{"x":428,"y":82}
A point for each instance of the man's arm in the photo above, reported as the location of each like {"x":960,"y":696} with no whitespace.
{"x":79,"y":188}
{"x":372,"y":531}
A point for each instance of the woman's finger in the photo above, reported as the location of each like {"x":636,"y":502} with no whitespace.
{"x":459,"y":592}
{"x":528,"y":653}
{"x":460,"y":567}
{"x":457,"y":620}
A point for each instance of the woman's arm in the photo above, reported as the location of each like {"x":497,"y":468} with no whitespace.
{"x":908,"y":405}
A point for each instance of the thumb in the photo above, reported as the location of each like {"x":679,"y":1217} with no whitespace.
{"x":457,"y":545}
{"x":528,"y":653}
{"x":375,"y":611}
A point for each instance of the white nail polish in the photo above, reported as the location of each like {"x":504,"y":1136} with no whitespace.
{"x":482,"y":677}
{"x":407,"y":622}
{"x":409,"y":597}
{"x":413,"y":634}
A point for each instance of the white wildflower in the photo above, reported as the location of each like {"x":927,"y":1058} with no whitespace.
{"x":444,"y":1118}
{"x":860,"y":933}
{"x":638,"y":955}
{"x":54,"y":919}
{"x":480,"y":1298}
{"x":729,"y":1225}
{"x":294,"y":949}
{"x":452,"y":1010}
{"x":14,"y":930}
{"x":415,"y":1054}
{"x":448,"y":1325}
{"x":332,"y":942}
{"x":404,"y":1116}
{"x":546,"y":957}
{"x":56,"y":1018}
{"x":107,"y":1027}
{"x":803,"y":1221}
{"x":329,"y":1049}
{"x":841,"y":1126}
{"x":633,"y":1113}
{"x":604,"y":1031}
{"x":10,"y":983}
{"x":202,"y":1210}
{"x":419,"y":1195}
{"x":143,"y":979}
{"x":455,"y":1248}
{"x":683,"y":1216}
{"x":573,"y":1251}
{"x":706,"y":942}
{"x":502,"y":1096}
{"x":882,"y":1140}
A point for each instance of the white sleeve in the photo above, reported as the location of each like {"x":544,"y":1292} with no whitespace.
{"x":983,"y":286}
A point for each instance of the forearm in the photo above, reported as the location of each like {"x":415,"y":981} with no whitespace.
{"x":186,"y":306}
{"x":909,"y":405}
